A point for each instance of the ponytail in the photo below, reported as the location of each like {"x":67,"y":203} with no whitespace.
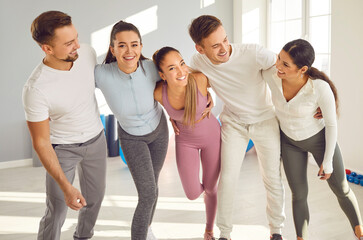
{"x":190,"y":105}
{"x":314,"y":73}
{"x":109,"y":57}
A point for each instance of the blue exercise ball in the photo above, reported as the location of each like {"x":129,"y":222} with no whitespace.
{"x":122,"y":156}
{"x":250,"y":143}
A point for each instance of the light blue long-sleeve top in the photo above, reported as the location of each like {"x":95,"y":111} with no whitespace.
{"x":131,"y":96}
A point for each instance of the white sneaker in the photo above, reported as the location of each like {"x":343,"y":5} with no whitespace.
{"x":150,"y":235}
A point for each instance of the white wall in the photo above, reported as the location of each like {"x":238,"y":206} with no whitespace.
{"x":347,"y":74}
{"x":20,"y":54}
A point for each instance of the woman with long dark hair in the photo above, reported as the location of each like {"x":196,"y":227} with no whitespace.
{"x":127,"y":80}
{"x":298,"y":89}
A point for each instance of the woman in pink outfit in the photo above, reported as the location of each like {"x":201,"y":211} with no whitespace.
{"x":184,"y":97}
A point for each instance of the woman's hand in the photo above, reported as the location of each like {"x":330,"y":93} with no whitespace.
{"x":322,"y":175}
{"x":318,"y":114}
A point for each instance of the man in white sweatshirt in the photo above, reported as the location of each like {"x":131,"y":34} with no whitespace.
{"x":234,"y":73}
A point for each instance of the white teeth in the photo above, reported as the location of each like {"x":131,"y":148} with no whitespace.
{"x":222,"y":54}
{"x":128,"y":58}
{"x":181,"y":78}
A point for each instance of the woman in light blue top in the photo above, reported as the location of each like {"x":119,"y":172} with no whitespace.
{"x":127,"y":80}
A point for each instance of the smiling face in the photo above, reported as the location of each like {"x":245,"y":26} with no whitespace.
{"x":64,"y":44}
{"x":286,"y":68}
{"x":174,"y":69}
{"x":216,"y":46}
{"x":127,"y":50}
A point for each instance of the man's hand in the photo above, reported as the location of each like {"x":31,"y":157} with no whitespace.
{"x":318,"y":114}
{"x":40,"y":133}
{"x":210,"y":104}
{"x":74,"y":199}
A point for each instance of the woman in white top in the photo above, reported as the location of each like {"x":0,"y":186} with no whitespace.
{"x":297,"y":90}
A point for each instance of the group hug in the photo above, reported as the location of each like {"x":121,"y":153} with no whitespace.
{"x":278,"y":100}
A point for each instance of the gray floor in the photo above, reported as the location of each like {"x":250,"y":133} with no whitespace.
{"x":22,"y":205}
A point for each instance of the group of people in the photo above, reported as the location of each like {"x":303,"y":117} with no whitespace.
{"x":271,"y":100}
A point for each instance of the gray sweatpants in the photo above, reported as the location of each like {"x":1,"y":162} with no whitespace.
{"x":145,"y":156}
{"x":295,"y":158}
{"x":90,"y":159}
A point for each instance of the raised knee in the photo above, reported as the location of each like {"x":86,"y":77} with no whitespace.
{"x":192,"y":195}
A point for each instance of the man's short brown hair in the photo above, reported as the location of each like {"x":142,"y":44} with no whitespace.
{"x":45,"y":24}
{"x":202,"y":27}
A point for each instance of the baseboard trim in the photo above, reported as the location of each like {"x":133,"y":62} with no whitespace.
{"x":17,"y":163}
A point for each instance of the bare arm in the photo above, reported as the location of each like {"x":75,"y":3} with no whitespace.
{"x":203,"y":85}
{"x":40,"y":135}
{"x":158,"y":96}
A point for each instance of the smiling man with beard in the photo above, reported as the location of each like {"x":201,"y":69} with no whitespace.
{"x":65,"y":127}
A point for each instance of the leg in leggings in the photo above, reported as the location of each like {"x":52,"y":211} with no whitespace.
{"x":141,"y":158}
{"x":138,"y":160}
{"x":337,"y":181}
{"x":188,"y":164}
{"x":211,"y":164}
{"x":295,"y":162}
{"x":158,"y":149}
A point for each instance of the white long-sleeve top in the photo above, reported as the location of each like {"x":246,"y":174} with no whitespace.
{"x":296,"y":116}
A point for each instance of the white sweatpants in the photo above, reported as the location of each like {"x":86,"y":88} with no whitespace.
{"x":266,"y":138}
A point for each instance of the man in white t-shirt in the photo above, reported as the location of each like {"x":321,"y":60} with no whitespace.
{"x":234,"y":73}
{"x":65,"y":126}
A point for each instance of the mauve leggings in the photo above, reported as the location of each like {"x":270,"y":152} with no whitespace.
{"x":204,"y":139}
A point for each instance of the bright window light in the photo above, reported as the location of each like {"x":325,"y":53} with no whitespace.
{"x":146,"y":21}
{"x":206,"y":3}
{"x":100,"y":40}
{"x":250,"y":26}
{"x":308,"y":19}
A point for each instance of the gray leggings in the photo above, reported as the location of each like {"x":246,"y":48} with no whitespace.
{"x":145,"y":157}
{"x":295,"y":158}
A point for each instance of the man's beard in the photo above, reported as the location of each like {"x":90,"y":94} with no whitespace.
{"x":70,"y":59}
